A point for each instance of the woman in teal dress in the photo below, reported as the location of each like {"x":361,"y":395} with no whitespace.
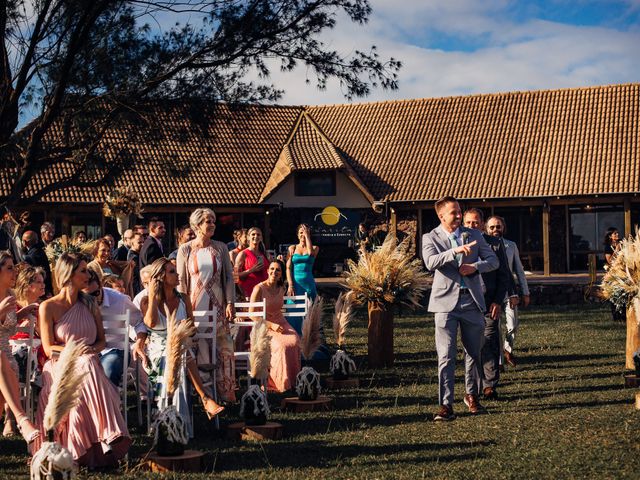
{"x":300,"y":269}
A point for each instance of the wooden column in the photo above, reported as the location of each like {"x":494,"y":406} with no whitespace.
{"x":419,"y":234}
{"x":267,"y":229}
{"x":393,"y":221}
{"x":545,"y":239}
{"x":627,"y":218}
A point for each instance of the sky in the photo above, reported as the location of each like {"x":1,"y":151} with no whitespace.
{"x":460,"y":47}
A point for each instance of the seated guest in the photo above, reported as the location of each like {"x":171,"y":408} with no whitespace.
{"x":165,"y":300}
{"x":103,"y":265}
{"x":115,"y":283}
{"x":285,"y":343}
{"x":112,"y":302}
{"x":145,"y":275}
{"x":94,"y":431}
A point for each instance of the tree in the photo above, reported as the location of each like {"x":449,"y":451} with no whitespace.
{"x":85,"y":66}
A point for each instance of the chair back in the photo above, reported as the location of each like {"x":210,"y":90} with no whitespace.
{"x":26,"y":396}
{"x":116,"y":333}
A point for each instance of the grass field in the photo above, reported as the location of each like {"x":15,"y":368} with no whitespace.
{"x":563,"y":413}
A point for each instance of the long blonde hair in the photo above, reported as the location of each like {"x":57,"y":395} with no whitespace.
{"x":26,"y":277}
{"x":65,"y":267}
{"x":158,"y":271}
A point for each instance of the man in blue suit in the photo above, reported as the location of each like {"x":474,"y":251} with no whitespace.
{"x":457,"y":255}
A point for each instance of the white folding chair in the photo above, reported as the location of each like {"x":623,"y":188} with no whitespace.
{"x":244,"y":319}
{"x":205,"y":322}
{"x":26,"y":396}
{"x":116,"y":332}
{"x":296,"y":307}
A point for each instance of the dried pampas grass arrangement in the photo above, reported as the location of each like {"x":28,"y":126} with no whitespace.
{"x":390,"y":275}
{"x":341,"y":318}
{"x":621,"y":283}
{"x":311,"y":337}
{"x":260,"y":355}
{"x":178,"y":335}
{"x":65,"y":390}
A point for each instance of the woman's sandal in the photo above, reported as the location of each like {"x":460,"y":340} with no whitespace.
{"x":211,"y":408}
{"x":28,"y":430}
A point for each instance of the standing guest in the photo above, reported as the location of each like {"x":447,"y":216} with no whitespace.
{"x":123,"y":250}
{"x":9,"y":318}
{"x":252,"y":262}
{"x":185,"y":234}
{"x":206,"y":277}
{"x":611,"y":246}
{"x":133,"y":256}
{"x":456,"y":254}
{"x":112,"y":244}
{"x":242,"y":243}
{"x":362,"y":239}
{"x":234,"y":243}
{"x":36,"y":257}
{"x":94,"y":431}
{"x":285,"y":342}
{"x":48,"y":233}
{"x":497,"y":285}
{"x":497,"y":227}
{"x":112,"y":302}
{"x":142,"y":229}
{"x":152,"y":247}
{"x":300,"y":269}
{"x":7,"y":243}
{"x":114,"y":282}
{"x":165,"y":300}
{"x":80,"y":237}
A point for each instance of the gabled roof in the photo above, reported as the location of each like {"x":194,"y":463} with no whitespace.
{"x":581,"y":141}
{"x":308,"y":149}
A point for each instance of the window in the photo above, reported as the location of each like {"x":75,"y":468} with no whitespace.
{"x":588,"y":226}
{"x":315,"y":184}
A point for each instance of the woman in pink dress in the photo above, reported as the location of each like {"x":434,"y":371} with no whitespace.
{"x":252,"y":262}
{"x":9,"y":388}
{"x":285,"y":343}
{"x":94,"y":431}
{"x":206,"y":276}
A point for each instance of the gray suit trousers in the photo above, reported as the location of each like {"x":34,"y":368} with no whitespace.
{"x":468,"y":316}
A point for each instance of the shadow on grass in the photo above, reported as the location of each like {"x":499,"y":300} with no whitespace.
{"x":555,"y":359}
{"x":565,"y":406}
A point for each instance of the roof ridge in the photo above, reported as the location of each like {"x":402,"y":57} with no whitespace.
{"x":306,"y":108}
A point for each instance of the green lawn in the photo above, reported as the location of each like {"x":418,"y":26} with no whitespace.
{"x":563,"y":413}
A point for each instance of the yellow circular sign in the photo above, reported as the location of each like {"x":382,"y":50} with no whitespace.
{"x":330,"y":215}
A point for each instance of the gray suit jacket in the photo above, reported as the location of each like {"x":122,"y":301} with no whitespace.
{"x":515,"y":265}
{"x":438,"y":256}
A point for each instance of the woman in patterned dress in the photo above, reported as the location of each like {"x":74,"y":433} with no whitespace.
{"x":9,"y":388}
{"x":206,"y":277}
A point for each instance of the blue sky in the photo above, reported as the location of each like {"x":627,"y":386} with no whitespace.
{"x":460,"y":47}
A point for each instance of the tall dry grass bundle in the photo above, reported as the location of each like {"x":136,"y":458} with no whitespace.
{"x":178,"y":335}
{"x":621,"y":283}
{"x":311,"y":338}
{"x":65,"y":390}
{"x":389,"y":275}
{"x":341,"y":318}
{"x":260,"y":355}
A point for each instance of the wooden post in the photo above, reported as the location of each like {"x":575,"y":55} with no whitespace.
{"x":393,"y":221}
{"x":380,"y":335}
{"x":545,"y":239}
{"x":627,"y":218}
{"x":633,"y":333}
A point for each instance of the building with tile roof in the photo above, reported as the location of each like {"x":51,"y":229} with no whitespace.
{"x":560,"y":165}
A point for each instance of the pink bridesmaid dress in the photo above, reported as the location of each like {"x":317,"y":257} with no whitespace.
{"x":285,"y":346}
{"x":94,"y":431}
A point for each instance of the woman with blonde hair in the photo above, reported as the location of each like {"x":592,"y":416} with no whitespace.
{"x":206,"y":277}
{"x":163,"y":301}
{"x":252,"y":262}
{"x":94,"y":431}
{"x":9,"y":388}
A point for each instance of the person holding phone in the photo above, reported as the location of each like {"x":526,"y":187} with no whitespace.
{"x":252,"y":263}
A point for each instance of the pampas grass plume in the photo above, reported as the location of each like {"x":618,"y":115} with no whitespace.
{"x":341,"y":318}
{"x":260,"y":355}
{"x":178,"y":336}
{"x":311,"y":339}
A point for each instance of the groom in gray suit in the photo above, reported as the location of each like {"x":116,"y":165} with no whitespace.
{"x":457,"y":255}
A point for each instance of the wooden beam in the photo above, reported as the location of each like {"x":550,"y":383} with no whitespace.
{"x":545,"y":239}
{"x":627,"y":218}
{"x":393,"y":220}
{"x":419,"y":234}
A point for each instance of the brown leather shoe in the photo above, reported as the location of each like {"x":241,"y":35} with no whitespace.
{"x":490,"y":393}
{"x":510,"y":358}
{"x":445,"y":414}
{"x":472,"y":402}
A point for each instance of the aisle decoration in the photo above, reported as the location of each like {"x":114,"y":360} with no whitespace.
{"x":341,"y":365}
{"x":53,"y":461}
{"x":308,"y":380}
{"x":621,"y":286}
{"x":383,"y":278}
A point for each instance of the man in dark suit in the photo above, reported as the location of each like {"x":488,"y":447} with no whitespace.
{"x":123,"y":250}
{"x":36,"y":257}
{"x":497,"y":284}
{"x":456,"y":255}
{"x":152,"y":247}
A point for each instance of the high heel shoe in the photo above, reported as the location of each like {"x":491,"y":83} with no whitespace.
{"x":211,"y":408}
{"x":28,"y":430}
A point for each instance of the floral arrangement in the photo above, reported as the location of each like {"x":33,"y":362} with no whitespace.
{"x":390,"y":275}
{"x":621,"y":283}
{"x":124,"y":201}
{"x":63,"y":245}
